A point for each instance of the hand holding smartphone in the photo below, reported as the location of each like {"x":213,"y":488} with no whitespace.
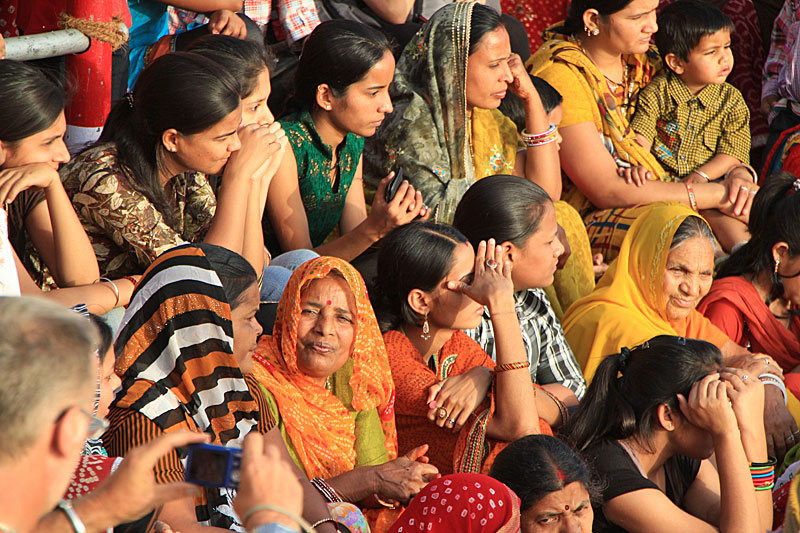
{"x":394,"y":184}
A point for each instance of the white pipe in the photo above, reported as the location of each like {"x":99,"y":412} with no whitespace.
{"x":49,"y":44}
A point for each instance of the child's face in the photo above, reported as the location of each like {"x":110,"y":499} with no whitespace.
{"x":554,"y":116}
{"x":709,"y":62}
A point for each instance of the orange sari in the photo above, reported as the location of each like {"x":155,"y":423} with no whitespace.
{"x":449,"y":452}
{"x":319,"y":424}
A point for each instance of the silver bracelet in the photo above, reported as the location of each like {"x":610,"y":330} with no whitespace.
{"x":701,"y":174}
{"x":114,"y":288}
{"x":775,"y":381}
{"x":750,"y":169}
{"x":72,"y":516}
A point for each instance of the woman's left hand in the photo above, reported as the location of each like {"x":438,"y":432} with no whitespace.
{"x":521,"y":85}
{"x":459,"y":396}
{"x":404,"y":477}
{"x":491,"y":284}
{"x":741,"y":191}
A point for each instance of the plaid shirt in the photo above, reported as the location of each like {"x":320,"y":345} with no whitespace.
{"x":548,"y":352}
{"x":778,"y":49}
{"x":298,"y":17}
{"x":685,"y":130}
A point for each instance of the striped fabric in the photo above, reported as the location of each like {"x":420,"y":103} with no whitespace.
{"x":175,"y":357}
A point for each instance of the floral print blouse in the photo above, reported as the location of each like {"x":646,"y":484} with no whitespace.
{"x":126,"y":230}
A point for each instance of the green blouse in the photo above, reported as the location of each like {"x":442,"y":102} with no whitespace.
{"x":370,"y":448}
{"x":323,"y":197}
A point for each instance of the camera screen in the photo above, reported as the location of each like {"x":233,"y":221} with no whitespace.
{"x":208,"y":466}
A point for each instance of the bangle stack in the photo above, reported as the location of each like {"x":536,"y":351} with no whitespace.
{"x":763,"y":474}
{"x":775,"y":381}
{"x":561,"y":407}
{"x":692,"y":197}
{"x":539,"y":139}
{"x":505,"y":367}
{"x":328,"y":492}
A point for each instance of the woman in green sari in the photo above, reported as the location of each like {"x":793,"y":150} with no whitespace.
{"x":446,"y":131}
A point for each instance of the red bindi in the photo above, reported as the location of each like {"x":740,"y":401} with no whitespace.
{"x":328,"y":302}
{"x":566,"y":507}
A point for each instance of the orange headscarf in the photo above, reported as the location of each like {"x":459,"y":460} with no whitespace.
{"x":318,"y":423}
{"x":628,"y":305}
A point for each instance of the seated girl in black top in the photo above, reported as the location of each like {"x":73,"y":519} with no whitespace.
{"x":650,"y":420}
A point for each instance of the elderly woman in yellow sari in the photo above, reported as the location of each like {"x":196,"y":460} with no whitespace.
{"x":326,"y":378}
{"x":446,"y":132}
{"x":664,"y":268}
{"x":598,"y":60}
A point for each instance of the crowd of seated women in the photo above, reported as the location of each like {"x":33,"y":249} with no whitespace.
{"x":541,"y":327}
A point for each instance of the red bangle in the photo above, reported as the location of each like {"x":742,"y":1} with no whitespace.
{"x":131,"y":279}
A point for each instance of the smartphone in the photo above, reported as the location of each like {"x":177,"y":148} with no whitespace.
{"x":213,"y":466}
{"x":394,"y":184}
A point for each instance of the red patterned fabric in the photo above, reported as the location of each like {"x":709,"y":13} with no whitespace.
{"x":536,"y":16}
{"x":91,"y":470}
{"x":8,"y":18}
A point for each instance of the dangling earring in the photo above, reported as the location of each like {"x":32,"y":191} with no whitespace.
{"x":426,"y":330}
{"x":775,"y":276}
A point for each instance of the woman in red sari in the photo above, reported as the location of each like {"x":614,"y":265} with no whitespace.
{"x":756,"y":295}
{"x":431,"y":285}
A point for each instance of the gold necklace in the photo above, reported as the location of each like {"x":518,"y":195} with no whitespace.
{"x":627,"y":87}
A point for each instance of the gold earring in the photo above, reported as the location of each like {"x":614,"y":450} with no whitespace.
{"x":595,"y":32}
{"x":426,"y":330}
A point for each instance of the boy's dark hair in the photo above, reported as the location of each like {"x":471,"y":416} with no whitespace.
{"x":682,"y":24}
{"x":511,"y":105}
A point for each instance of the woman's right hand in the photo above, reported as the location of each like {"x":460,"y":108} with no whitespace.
{"x":259,"y":145}
{"x":708,"y":406}
{"x":15,"y":180}
{"x":405,"y":207}
{"x":491,"y":287}
{"x":403,"y":478}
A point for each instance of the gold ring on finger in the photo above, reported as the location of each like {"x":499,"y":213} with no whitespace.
{"x":441,"y":412}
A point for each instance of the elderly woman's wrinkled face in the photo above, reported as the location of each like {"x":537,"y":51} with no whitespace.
{"x":687,"y":276}
{"x":327,"y":327}
{"x":568,"y":510}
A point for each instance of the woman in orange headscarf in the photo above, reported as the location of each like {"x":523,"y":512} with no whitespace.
{"x":327,"y":382}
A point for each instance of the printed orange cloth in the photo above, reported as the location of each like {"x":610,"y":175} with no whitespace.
{"x":449,"y":452}
{"x":318,"y":423}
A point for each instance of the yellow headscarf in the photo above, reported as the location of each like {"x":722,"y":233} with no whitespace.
{"x":628,"y":305}
{"x":612,"y":122}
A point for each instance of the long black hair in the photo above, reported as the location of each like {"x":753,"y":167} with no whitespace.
{"x":414,"y":256}
{"x":244,"y":60}
{"x":774,"y":218}
{"x":505,"y":208}
{"x":182,"y":90}
{"x":31,"y":101}
{"x":628,"y":387}
{"x":338,"y":53}
{"x":537,"y":465}
{"x":574,"y":22}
